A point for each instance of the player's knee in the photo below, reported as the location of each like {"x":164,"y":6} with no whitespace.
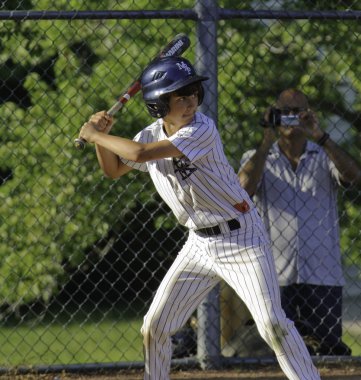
{"x":150,"y":327}
{"x":146,"y":327}
{"x":275,"y":329}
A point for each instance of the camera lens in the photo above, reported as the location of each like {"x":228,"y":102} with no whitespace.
{"x":290,"y":120}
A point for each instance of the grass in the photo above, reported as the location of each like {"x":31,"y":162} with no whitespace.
{"x":73,"y":341}
{"x":100,"y":342}
{"x":353,"y":341}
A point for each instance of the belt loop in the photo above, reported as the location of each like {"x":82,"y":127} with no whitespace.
{"x":242,"y":207}
{"x":223,"y":228}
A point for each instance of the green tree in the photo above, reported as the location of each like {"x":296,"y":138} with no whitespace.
{"x":259,"y":58}
{"x":55,"y":203}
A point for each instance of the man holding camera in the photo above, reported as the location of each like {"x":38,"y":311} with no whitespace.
{"x":294,"y":182}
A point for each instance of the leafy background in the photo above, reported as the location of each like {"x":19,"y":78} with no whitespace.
{"x":69,"y":235}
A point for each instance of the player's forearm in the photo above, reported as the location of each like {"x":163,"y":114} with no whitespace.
{"x":135,"y":151}
{"x":108,"y":161}
{"x":119,"y":146}
{"x":349,"y":169}
{"x":251,"y":173}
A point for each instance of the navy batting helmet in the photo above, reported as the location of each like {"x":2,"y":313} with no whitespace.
{"x":164,"y":76}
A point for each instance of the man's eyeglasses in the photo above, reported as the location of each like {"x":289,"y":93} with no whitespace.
{"x":295,"y":111}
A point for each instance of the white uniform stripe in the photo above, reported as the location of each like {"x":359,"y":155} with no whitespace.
{"x":205,"y":137}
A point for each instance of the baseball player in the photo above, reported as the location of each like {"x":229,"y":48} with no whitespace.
{"x":183,"y":153}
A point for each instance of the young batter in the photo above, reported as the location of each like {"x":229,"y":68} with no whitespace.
{"x":183,"y":153}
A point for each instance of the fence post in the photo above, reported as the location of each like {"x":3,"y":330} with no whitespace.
{"x":208,"y":349}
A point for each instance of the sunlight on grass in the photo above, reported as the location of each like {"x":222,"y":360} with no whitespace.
{"x":353,"y":342}
{"x":101,"y":342}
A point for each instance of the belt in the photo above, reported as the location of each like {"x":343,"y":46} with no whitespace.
{"x":233,"y":224}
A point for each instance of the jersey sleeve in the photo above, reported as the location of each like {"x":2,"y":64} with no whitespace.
{"x":196,"y":140}
{"x":142,"y":166}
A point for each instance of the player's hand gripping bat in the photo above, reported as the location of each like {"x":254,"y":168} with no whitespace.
{"x":176,"y":47}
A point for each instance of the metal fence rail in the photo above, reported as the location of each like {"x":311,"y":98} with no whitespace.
{"x":184,"y":14}
{"x":81,"y":256}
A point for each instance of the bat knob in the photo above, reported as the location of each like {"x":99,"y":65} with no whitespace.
{"x":79,"y":144}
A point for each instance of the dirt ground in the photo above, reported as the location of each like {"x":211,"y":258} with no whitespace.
{"x":349,"y":371}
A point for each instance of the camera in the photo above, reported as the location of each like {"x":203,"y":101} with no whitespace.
{"x":276,"y":119}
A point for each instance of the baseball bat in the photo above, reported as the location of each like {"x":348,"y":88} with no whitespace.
{"x":176,"y":47}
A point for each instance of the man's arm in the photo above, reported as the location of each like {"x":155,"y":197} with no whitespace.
{"x":347,"y":166}
{"x":251,"y":173}
{"x":349,"y":170}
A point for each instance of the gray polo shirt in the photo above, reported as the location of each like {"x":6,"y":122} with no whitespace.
{"x":299,"y":209}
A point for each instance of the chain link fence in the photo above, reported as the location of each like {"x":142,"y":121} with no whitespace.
{"x":81,"y":256}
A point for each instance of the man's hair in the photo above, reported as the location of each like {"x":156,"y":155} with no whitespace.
{"x":291,"y":93}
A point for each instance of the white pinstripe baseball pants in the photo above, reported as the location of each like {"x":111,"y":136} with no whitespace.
{"x":242,"y":258}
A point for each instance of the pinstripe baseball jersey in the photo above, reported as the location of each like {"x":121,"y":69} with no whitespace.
{"x":201,"y":187}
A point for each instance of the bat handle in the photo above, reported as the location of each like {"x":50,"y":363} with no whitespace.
{"x":132,"y":90}
{"x":79,"y":143}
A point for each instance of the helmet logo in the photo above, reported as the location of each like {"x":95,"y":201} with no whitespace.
{"x":158,"y":75}
{"x":185,"y":67}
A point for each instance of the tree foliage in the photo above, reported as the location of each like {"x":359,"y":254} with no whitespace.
{"x":55,"y":204}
